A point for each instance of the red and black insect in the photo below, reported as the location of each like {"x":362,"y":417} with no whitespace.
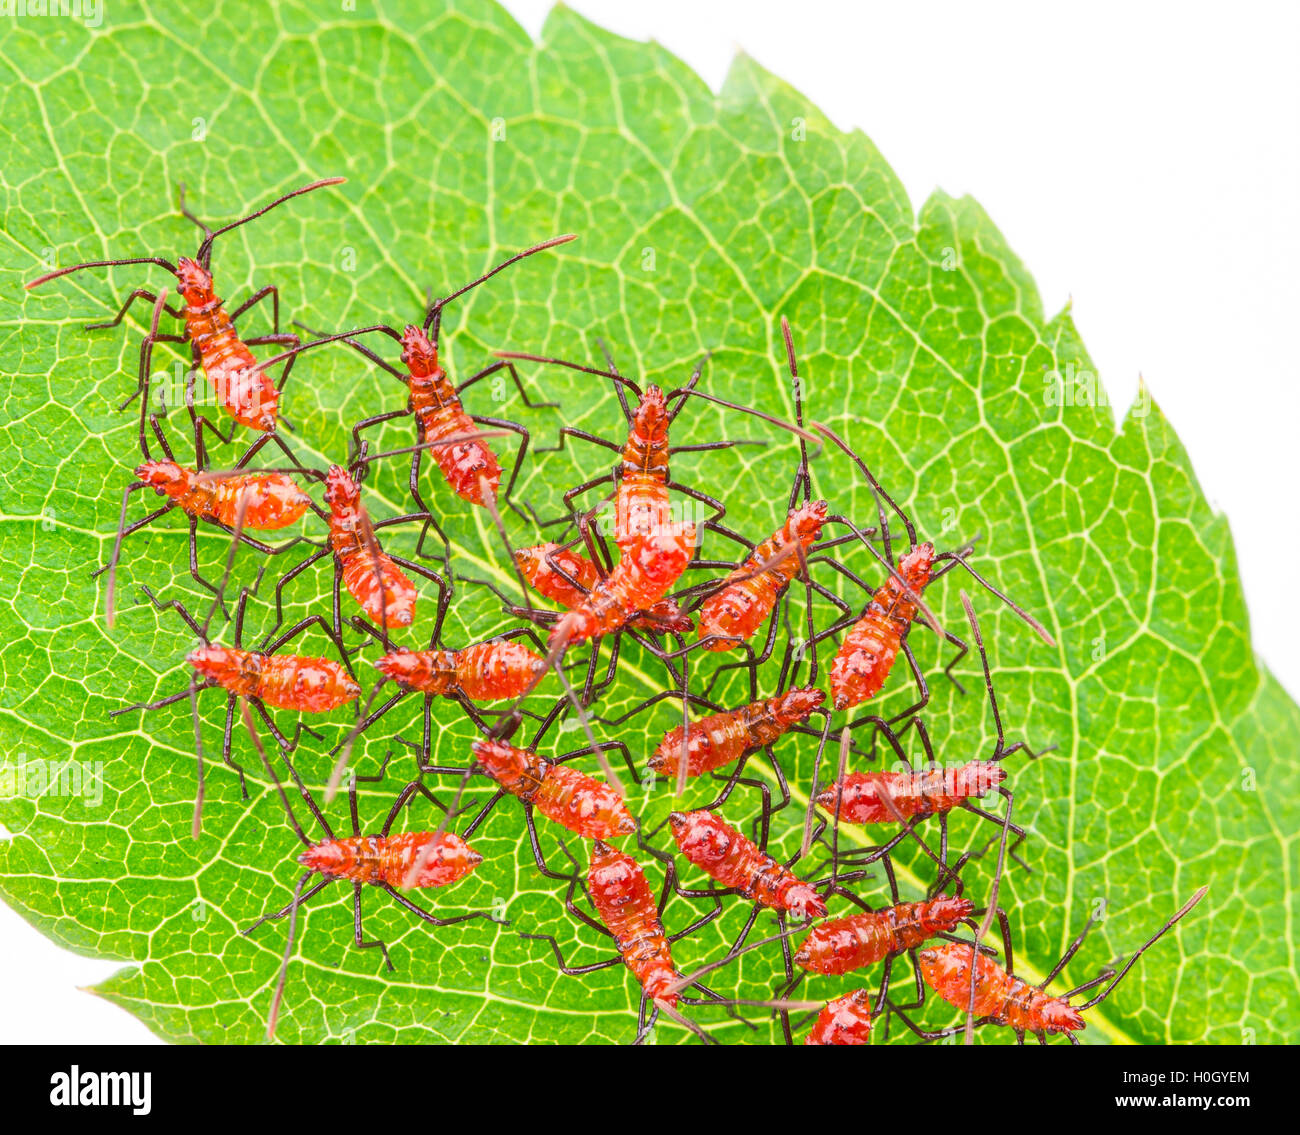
{"x":266,"y":500}
{"x":240,"y":382}
{"x":629,"y":913}
{"x":641,"y":504}
{"x":376,"y":579}
{"x":586,"y":806}
{"x":865,"y":797}
{"x":486,"y":671}
{"x":725,"y":855}
{"x":385,"y":861}
{"x":722,"y":738}
{"x":567,"y":577}
{"x":994,"y":996}
{"x":232,"y":500}
{"x":565,"y":796}
{"x":372,"y":578}
{"x":626,"y":905}
{"x":564,"y":576}
{"x":261,"y":677}
{"x":843,"y":945}
{"x":469,"y":467}
{"x":732,"y":614}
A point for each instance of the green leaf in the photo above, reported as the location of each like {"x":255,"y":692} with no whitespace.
{"x":703,"y":219}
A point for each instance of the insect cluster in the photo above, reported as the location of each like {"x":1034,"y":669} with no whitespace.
{"x":613,"y":587}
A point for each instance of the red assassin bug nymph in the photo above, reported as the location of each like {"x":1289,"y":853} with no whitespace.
{"x":629,"y":913}
{"x":384,"y":861}
{"x":994,"y":996}
{"x":258,"y":677}
{"x":241,"y":383}
{"x":233,"y":500}
{"x":374,"y":578}
{"x":469,"y":467}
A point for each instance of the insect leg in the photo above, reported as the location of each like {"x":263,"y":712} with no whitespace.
{"x":138,"y":294}
{"x":361,"y":941}
{"x":256,"y":298}
{"x":285,"y":579}
{"x":563,"y":966}
{"x":509,"y":367}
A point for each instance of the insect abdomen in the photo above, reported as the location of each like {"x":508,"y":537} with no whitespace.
{"x":847,"y":944}
{"x":379,"y":587}
{"x":626,"y":905}
{"x":999,"y":995}
{"x":312,"y":685}
{"x":466,"y":465}
{"x":750,"y":592}
{"x":846,"y":1020}
{"x":726,"y":855}
{"x":535,"y":565}
{"x":584,"y":805}
{"x":927,"y":792}
{"x":489,"y":671}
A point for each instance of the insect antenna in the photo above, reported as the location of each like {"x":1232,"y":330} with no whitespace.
{"x":278,"y":997}
{"x":912,"y":596}
{"x":110,"y":589}
{"x":876,"y":486}
{"x":618,"y":386}
{"x":618,"y":379}
{"x":433,"y":317}
{"x":796,"y":389}
{"x":100,"y":264}
{"x":204,"y":254}
{"x":811,"y":813}
{"x":454,"y":439}
{"x":799,"y":432}
{"x":196,"y":822}
{"x":1178,"y":914}
{"x":683,"y":1020}
{"x":266,"y":364}
{"x":731,"y":955}
{"x":1020,"y":612}
{"x":691,"y":384}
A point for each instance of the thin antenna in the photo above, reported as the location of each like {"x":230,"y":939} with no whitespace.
{"x":206,"y":246}
{"x":284,"y":961}
{"x":435,"y":308}
{"x":36,"y":283}
{"x":1182,"y":910}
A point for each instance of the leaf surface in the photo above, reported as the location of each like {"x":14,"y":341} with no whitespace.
{"x":703,"y":219}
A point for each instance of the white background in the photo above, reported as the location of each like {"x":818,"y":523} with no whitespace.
{"x":1143,"y":159}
